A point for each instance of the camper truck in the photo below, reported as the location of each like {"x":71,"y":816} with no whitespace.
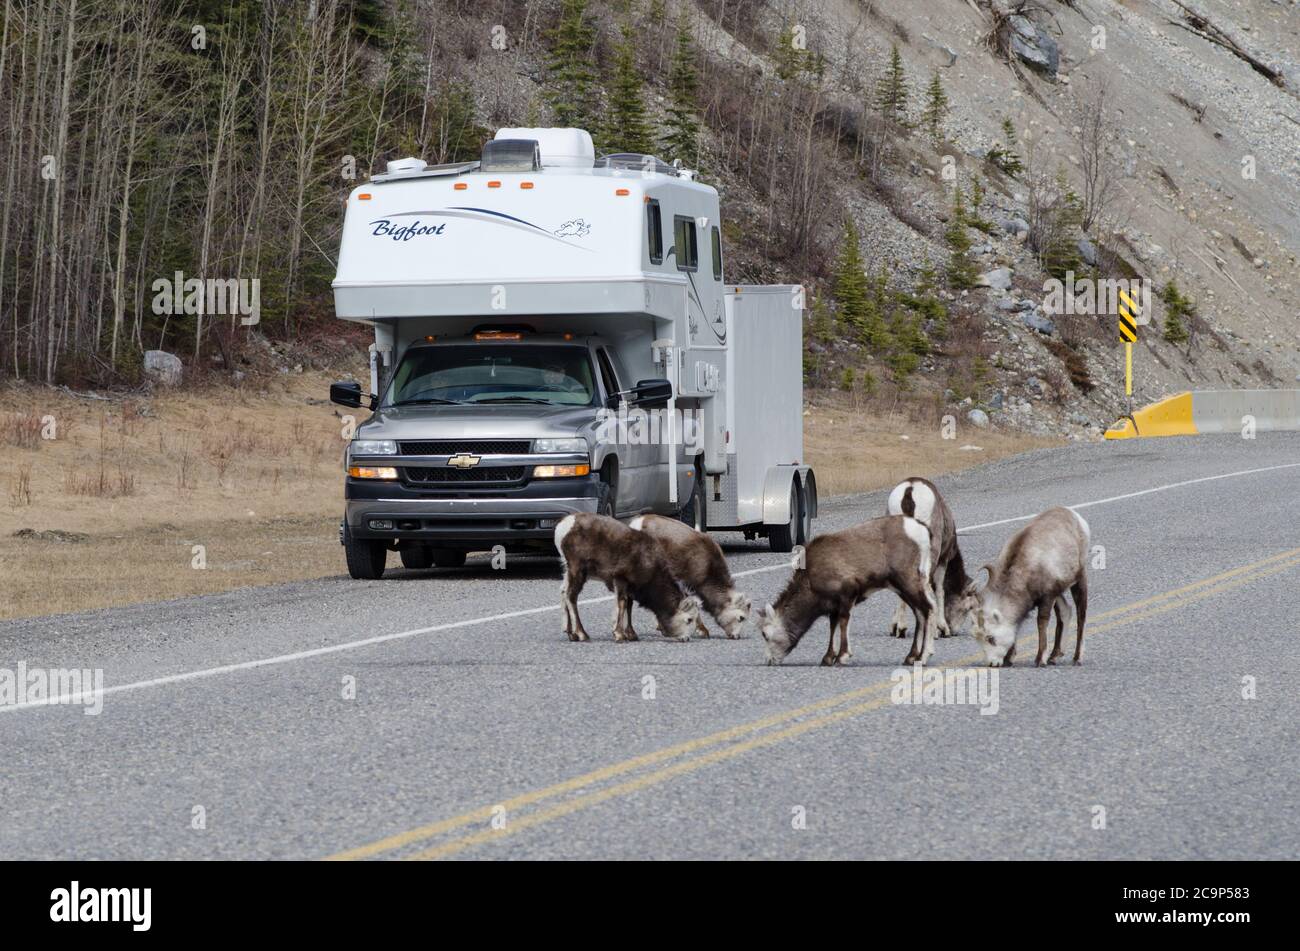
{"x":553,"y":334}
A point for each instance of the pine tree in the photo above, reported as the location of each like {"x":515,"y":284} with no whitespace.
{"x":891,"y":90}
{"x":936,"y":109}
{"x":571,"y":73}
{"x":682,"y":141}
{"x":961,"y":272}
{"x":850,"y":280}
{"x":628,"y":129}
{"x":1177,"y":307}
{"x":1005,"y":156}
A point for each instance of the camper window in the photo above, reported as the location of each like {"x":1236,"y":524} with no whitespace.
{"x":717,"y":254}
{"x":494,"y":373}
{"x":687,"y":246}
{"x":655,"y":226}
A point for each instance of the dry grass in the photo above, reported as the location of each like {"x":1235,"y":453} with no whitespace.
{"x":255,"y":479}
{"x":856,"y":451}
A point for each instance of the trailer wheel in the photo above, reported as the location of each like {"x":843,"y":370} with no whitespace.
{"x":444,"y":558}
{"x":781,"y":538}
{"x":804,"y":533}
{"x":366,"y":559}
{"x":416,"y":558}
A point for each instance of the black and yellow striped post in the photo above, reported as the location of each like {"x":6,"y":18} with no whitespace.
{"x":1128,"y":334}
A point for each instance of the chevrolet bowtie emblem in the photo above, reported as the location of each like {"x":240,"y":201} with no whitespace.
{"x":463,"y":460}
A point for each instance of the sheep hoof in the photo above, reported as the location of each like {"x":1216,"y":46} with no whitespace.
{"x":580,"y":636}
{"x":1078,"y":662}
{"x":842,"y":660}
{"x":1051,"y":661}
{"x":828,"y":660}
{"x":1038,"y":662}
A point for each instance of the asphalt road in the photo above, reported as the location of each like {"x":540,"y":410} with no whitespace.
{"x":478,"y":730}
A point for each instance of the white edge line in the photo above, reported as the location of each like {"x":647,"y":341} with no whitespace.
{"x":453,"y":625}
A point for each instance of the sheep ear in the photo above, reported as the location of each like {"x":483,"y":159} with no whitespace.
{"x":992,"y":569}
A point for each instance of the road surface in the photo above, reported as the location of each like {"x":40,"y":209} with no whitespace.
{"x":478,"y":731}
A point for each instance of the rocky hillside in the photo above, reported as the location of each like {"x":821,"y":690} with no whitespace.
{"x":1183,"y":115}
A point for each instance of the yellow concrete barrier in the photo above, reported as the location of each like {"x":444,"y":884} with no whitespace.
{"x":1169,"y":417}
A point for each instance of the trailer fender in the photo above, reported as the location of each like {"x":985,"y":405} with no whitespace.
{"x":776,"y":494}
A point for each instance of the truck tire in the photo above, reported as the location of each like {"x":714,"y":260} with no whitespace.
{"x":366,"y":559}
{"x":445,"y":558}
{"x":416,"y":558}
{"x":781,"y":538}
{"x":693,"y":512}
{"x":605,"y":499}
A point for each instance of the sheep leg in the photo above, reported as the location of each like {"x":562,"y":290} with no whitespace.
{"x":623,"y":623}
{"x":898,"y":626}
{"x":1044,"y":615}
{"x":1080,"y":595}
{"x":941,"y":615}
{"x":829,"y":659}
{"x":844,"y":653}
{"x":573,"y":585}
{"x":1062,"y":618}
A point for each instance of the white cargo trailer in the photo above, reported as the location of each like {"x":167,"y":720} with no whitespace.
{"x":553,"y":334}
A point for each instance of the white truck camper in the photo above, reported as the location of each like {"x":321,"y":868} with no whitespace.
{"x":553,"y":334}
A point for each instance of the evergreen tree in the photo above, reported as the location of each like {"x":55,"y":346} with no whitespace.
{"x":571,"y":73}
{"x":1177,"y":307}
{"x":936,"y":109}
{"x":961,"y":271}
{"x":1005,"y":156}
{"x":628,"y":129}
{"x":850,"y":280}
{"x":682,"y":141}
{"x":891,"y":90}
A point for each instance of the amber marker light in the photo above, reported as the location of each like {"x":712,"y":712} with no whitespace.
{"x":372,"y":472}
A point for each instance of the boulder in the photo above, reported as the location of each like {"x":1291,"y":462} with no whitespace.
{"x":163,"y":367}
{"x":1034,"y":45}
{"x":998,"y":278}
{"x":978,"y":418}
{"x":1036,"y":321}
{"x":1088,"y":251}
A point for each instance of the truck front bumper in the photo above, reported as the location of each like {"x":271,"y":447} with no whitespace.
{"x":524,"y":516}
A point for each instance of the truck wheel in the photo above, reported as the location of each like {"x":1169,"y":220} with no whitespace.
{"x":781,"y":538}
{"x":366,"y":559}
{"x":416,"y":558}
{"x":605,"y":499}
{"x":444,"y":558}
{"x":692,"y":512}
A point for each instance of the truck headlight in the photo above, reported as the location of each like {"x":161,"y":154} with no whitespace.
{"x":374,"y":447}
{"x":560,"y":445}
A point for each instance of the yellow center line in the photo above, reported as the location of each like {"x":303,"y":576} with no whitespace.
{"x":523,"y":800}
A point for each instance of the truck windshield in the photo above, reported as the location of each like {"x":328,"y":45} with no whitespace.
{"x":494,"y":373}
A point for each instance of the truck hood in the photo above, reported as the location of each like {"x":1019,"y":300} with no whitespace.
{"x":503,"y":420}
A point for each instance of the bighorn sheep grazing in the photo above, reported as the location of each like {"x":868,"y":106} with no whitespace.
{"x":699,"y":566}
{"x":1038,"y":564}
{"x":632,"y":565}
{"x":841,"y":570}
{"x":920,"y":499}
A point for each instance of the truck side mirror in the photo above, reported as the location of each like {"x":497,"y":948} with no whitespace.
{"x":651,"y":393}
{"x":346,"y":394}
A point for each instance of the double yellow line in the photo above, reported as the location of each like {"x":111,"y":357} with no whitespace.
{"x":682,"y":758}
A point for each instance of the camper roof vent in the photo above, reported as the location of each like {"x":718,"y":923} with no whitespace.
{"x":636,"y":162}
{"x":511,"y":155}
{"x":407,"y":166}
{"x":560,"y":148}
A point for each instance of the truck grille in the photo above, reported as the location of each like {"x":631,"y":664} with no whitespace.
{"x":475,"y":447}
{"x":422,"y":476}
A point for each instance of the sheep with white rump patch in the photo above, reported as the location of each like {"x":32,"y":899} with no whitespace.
{"x":1034,"y":570}
{"x":632,"y":565}
{"x":920,"y":499}
{"x":698,"y":565}
{"x":841,"y":570}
